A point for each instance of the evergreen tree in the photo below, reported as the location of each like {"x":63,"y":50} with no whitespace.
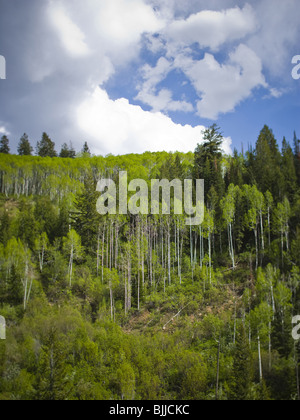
{"x":288,"y":169}
{"x":85,"y":218}
{"x":46,"y":147}
{"x":242,"y":370}
{"x":267,"y":171}
{"x":208,"y":160}
{"x":67,"y":151}
{"x":86,"y":149}
{"x":24,"y":148}
{"x":52,"y":381}
{"x":4,"y":145}
{"x":297,"y":156}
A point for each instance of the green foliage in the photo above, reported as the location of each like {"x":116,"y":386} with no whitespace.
{"x":4,"y":145}
{"x":46,"y":147}
{"x":24,"y":147}
{"x":133,"y":307}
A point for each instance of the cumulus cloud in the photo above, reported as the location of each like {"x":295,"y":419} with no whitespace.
{"x":60,"y":52}
{"x":71,"y":36}
{"x":118,"y":127}
{"x":162,"y":99}
{"x":3,"y":131}
{"x":223,"y":86}
{"x":213,"y":29}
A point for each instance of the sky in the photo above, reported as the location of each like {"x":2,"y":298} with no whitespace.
{"x":130,"y":76}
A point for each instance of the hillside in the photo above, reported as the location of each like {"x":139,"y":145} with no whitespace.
{"x":145,"y":307}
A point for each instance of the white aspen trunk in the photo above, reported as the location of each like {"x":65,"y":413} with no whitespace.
{"x":270,"y":346}
{"x":234,"y":325}
{"x":29,"y":291}
{"x":126,"y":293}
{"x":195,"y":249}
{"x":175,"y":234}
{"x":169,"y":254}
{"x":287,"y":238}
{"x":111,"y":302}
{"x":110,"y":245}
{"x":117,"y":246}
{"x":269,"y":227}
{"x":272,"y":297}
{"x":149,"y":255}
{"x":256,"y":247}
{"x":191,"y":246}
{"x":231,"y":245}
{"x":281,"y":246}
{"x":262,"y":231}
{"x":71,"y":265}
{"x":178,"y":251}
{"x":139,"y":260}
{"x":259,"y":360}
{"x":107,"y":248}
{"x":143,"y":256}
{"x":102,"y":263}
{"x":209,"y":256}
{"x":201,"y":260}
{"x":25,"y":285}
{"x":98,"y":252}
{"x":129,"y":283}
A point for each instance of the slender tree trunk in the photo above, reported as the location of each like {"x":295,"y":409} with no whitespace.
{"x":98,"y":252}
{"x":209,"y":257}
{"x":259,"y":360}
{"x":269,"y":227}
{"x":71,"y":265}
{"x":102,"y":263}
{"x":231,"y":250}
{"x":262,"y":231}
{"x":169,"y":254}
{"x":25,"y":285}
{"x":270,"y":347}
{"x":111,"y":302}
{"x":256,"y":246}
{"x":296,"y":359}
{"x":218,"y":369}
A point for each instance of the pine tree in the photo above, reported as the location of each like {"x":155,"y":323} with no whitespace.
{"x":208,"y":160}
{"x":288,"y":169}
{"x":52,"y":382}
{"x":46,"y":147}
{"x":85,"y":218}
{"x":267,"y":171}
{"x":297,"y":155}
{"x":67,"y":151}
{"x":24,"y":148}
{"x":86,"y":149}
{"x":242,"y":371}
{"x":4,"y":145}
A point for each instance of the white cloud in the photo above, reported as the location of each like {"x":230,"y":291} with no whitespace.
{"x":71,"y":36}
{"x":118,"y":127}
{"x":3,"y":131}
{"x":222,"y":87}
{"x":278,"y":37}
{"x":70,"y":47}
{"x":161,"y":100}
{"x":213,"y":29}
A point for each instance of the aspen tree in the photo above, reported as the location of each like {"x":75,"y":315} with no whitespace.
{"x":282,"y":216}
{"x":228,"y":207}
{"x":72,"y":247}
{"x":41,"y":246}
{"x":269,"y":205}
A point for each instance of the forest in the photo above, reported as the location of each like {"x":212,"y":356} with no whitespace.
{"x":132,"y":307}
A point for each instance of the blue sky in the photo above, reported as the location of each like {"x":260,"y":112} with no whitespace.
{"x":137,"y":75}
